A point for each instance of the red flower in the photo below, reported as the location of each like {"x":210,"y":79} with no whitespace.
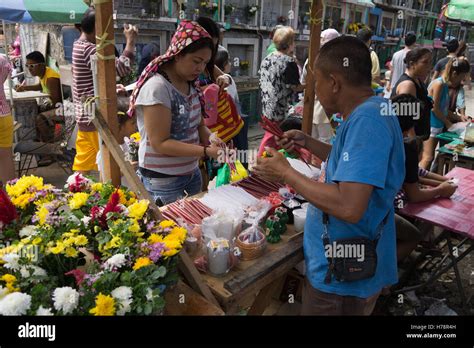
{"x":111,"y":207}
{"x":7,"y":209}
{"x":78,"y":275}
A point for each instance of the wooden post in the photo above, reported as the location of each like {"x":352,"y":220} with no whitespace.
{"x":315,"y":37}
{"x":107,"y":84}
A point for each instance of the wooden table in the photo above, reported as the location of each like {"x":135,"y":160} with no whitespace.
{"x":254,"y":282}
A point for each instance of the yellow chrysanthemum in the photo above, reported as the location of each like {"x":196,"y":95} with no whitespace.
{"x":71,"y":252}
{"x":123,"y":199}
{"x":58,"y":249}
{"x":167,"y":223}
{"x":138,"y":209}
{"x":23,"y":200}
{"x":135,"y":227}
{"x":170,"y":252}
{"x":115,"y":242}
{"x":135,"y":136}
{"x":104,"y":305}
{"x":97,"y":187}
{"x":78,"y":200}
{"x":25,"y":240}
{"x":42,"y":214}
{"x":8,"y":278}
{"x":155,"y":238}
{"x":180,"y":233}
{"x":23,"y":184}
{"x":37,"y":241}
{"x":142,"y":262}
{"x":172,"y":243}
{"x":81,"y":240}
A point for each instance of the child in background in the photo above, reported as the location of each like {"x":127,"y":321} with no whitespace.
{"x":222,"y":61}
{"x":127,"y":126}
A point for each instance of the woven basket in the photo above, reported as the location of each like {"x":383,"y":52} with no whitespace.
{"x":251,"y":251}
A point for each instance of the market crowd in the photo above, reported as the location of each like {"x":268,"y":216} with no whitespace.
{"x":185,"y":108}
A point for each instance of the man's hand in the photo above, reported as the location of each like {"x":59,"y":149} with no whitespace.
{"x":447,"y":189}
{"x":290,"y":138}
{"x":130,"y":32}
{"x":273,"y":168}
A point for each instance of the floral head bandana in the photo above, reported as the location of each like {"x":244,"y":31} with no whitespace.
{"x":186,"y":33}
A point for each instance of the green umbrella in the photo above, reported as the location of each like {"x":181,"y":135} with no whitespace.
{"x":42,"y":11}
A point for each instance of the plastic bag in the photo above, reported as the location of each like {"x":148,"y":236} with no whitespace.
{"x":239,"y":173}
{"x":223,"y":175}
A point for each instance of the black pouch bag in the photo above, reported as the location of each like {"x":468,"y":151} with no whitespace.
{"x":353,"y":267}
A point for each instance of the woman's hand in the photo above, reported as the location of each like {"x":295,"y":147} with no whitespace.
{"x":223,"y":81}
{"x":215,"y":151}
{"x":274,"y":168}
{"x":291,"y":139}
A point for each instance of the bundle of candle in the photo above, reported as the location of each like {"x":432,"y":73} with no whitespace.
{"x":191,"y":210}
{"x":273,"y":128}
{"x":228,"y":198}
{"x":257,"y":186}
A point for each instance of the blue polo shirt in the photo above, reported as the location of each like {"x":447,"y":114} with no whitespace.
{"x":368,"y":149}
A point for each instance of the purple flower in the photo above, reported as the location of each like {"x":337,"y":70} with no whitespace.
{"x":156,"y":250}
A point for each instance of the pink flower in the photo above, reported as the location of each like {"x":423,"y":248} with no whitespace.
{"x":78,"y":275}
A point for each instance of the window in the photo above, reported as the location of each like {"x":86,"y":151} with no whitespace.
{"x":387,"y":24}
{"x":374,"y":23}
{"x":437,"y":4}
{"x":429,"y":5}
{"x":332,"y":18}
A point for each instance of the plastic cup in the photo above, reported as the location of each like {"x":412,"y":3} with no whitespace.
{"x":300,"y":219}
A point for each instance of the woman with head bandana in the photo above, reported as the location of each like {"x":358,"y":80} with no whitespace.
{"x":170,"y":111}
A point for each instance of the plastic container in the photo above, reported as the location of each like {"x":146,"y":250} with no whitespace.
{"x":300,"y":219}
{"x":469,"y":137}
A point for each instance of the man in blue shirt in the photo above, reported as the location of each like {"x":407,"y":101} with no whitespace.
{"x":364,"y":171}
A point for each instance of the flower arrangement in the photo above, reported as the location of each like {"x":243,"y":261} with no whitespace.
{"x":87,"y":249}
{"x":353,"y":28}
{"x":244,"y":64}
{"x":133,"y":144}
{"x":252,"y":10}
{"x":209,"y":6}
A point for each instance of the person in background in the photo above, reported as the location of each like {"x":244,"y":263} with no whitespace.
{"x":279,"y":79}
{"x":408,"y":235}
{"x":354,"y":195}
{"x":7,"y":167}
{"x":455,"y":72}
{"x":272,"y":48}
{"x":149,"y":52}
{"x":127,"y":126}
{"x":87,"y":141}
{"x":49,"y":80}
{"x":322,"y":129}
{"x":398,"y":65}
{"x":170,"y":110}
{"x":418,"y":62}
{"x":222,"y":61}
{"x":365,"y":34}
{"x":452,"y":46}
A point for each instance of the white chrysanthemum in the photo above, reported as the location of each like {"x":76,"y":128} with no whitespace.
{"x":65,"y":299}
{"x":11,"y":261}
{"x":3,"y":292}
{"x":86,"y":220}
{"x":115,"y":261}
{"x":28,"y":231}
{"x":15,"y":303}
{"x":37,"y":271}
{"x":149,"y":294}
{"x":44,"y":311}
{"x":123,"y":295}
{"x":77,"y":179}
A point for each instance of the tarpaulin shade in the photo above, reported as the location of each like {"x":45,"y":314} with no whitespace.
{"x":462,"y":10}
{"x":42,"y":11}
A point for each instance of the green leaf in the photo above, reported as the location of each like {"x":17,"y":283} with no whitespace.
{"x":159,"y":273}
{"x":148,"y":308}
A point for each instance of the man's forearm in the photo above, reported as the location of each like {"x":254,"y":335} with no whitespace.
{"x":318,"y":148}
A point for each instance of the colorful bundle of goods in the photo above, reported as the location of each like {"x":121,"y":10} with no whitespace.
{"x":87,"y":249}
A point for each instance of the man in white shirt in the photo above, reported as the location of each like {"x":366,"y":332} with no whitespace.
{"x":398,"y":61}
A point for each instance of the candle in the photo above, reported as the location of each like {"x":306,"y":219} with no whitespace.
{"x":218,"y":256}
